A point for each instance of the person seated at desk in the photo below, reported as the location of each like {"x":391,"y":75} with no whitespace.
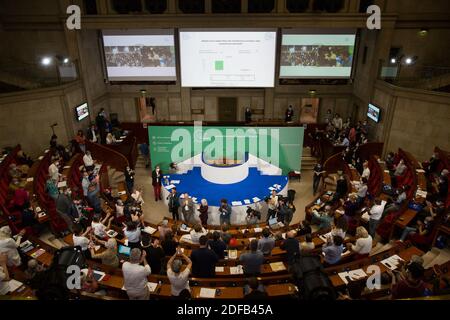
{"x":33,"y":269}
{"x":340,"y":226}
{"x":79,"y":238}
{"x":135,"y":275}
{"x":4,"y":275}
{"x":179,"y":280}
{"x":253,"y":260}
{"x":9,"y":246}
{"x":307,"y":245}
{"x":410,"y":284}
{"x":196,"y":232}
{"x":324,"y":219}
{"x":163,"y":229}
{"x":133,"y":234}
{"x":217,"y":245}
{"x":204,"y":260}
{"x":254,"y":290}
{"x":253,"y":216}
{"x":401,"y":194}
{"x":155,"y":253}
{"x":110,"y":139}
{"x":363,"y":244}
{"x":362,"y":191}
{"x":14,"y":171}
{"x":423,"y":228}
{"x":332,"y":250}
{"x":266,"y":243}
{"x":108,"y":256}
{"x":99,"y":227}
{"x":169,"y":244}
{"x":224,"y":234}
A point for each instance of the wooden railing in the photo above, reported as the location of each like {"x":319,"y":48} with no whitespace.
{"x":369,"y":149}
{"x":127,"y":147}
{"x":107,"y":156}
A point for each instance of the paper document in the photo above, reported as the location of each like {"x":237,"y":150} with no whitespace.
{"x":149,"y":230}
{"x":62,"y":184}
{"x":14,"y":285}
{"x":207,"y":293}
{"x":220,"y":269}
{"x":152,"y":286}
{"x":257,"y":230}
{"x":30,"y":179}
{"x":232,"y":254}
{"x":277,"y":266}
{"x":236,"y":270}
{"x":392,"y":262}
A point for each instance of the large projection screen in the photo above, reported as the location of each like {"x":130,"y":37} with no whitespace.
{"x":139,"y":55}
{"x":307,"y":54}
{"x":227,"y":58}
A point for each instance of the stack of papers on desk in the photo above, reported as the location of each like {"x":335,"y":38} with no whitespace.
{"x":256,"y":230}
{"x":149,"y":230}
{"x":26,"y":246}
{"x":111,"y":233}
{"x":207,"y":293}
{"x":392,"y":262}
{"x":236,"y":270}
{"x":353,"y":275}
{"x":236,"y":203}
{"x":152,"y":286}
{"x":421,"y":193}
{"x":277,"y":266}
{"x":420,"y":171}
{"x":14,"y":285}
{"x":220,"y":269}
{"x":30,"y":179}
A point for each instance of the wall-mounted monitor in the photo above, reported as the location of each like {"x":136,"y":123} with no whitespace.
{"x":227,"y":58}
{"x":313,"y":54}
{"x":82,"y":111}
{"x":139,"y":55}
{"x":373,"y":113}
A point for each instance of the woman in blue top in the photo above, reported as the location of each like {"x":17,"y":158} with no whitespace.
{"x":332,"y":250}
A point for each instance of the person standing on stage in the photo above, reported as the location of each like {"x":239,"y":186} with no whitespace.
{"x":225,"y":212}
{"x":129,"y":179}
{"x":174,"y":203}
{"x":156,"y":182}
{"x":317,"y":176}
{"x":248,"y":115}
{"x":203,"y":209}
{"x":289,"y":114}
{"x":273,"y":205}
{"x":187,"y":209}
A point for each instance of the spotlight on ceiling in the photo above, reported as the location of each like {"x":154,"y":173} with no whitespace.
{"x":423,"y":32}
{"x":408,"y":60}
{"x":312,"y":92}
{"x":393,"y":60}
{"x":46,"y":61}
{"x":66,"y":60}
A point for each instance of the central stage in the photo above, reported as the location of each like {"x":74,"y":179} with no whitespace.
{"x":250,"y":190}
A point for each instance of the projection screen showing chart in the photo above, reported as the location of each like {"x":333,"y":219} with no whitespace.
{"x":139,"y":55}
{"x":317,"y":55}
{"x":222,"y":58}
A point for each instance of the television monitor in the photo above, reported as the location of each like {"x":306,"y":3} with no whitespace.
{"x":82,"y":111}
{"x":373,"y":113}
{"x":227,"y":58}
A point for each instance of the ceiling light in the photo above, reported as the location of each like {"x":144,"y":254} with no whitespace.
{"x":46,"y":61}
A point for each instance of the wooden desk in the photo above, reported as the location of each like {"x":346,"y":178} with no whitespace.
{"x":405,"y":255}
{"x":225,"y":292}
{"x":405,"y":219}
{"x":441,"y":229}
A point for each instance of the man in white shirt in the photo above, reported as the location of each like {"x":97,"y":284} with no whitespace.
{"x":4,"y":276}
{"x":135,"y":275}
{"x":9,"y":246}
{"x":375,"y":215}
{"x":88,"y":161}
{"x":80,"y":239}
{"x":366,"y":171}
{"x":53,"y":170}
{"x":179,"y":280}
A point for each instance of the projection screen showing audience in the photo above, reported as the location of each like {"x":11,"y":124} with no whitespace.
{"x":139,"y":55}
{"x":314,"y":56}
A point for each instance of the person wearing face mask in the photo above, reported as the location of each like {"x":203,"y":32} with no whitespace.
{"x":187,"y":208}
{"x":156,"y":182}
